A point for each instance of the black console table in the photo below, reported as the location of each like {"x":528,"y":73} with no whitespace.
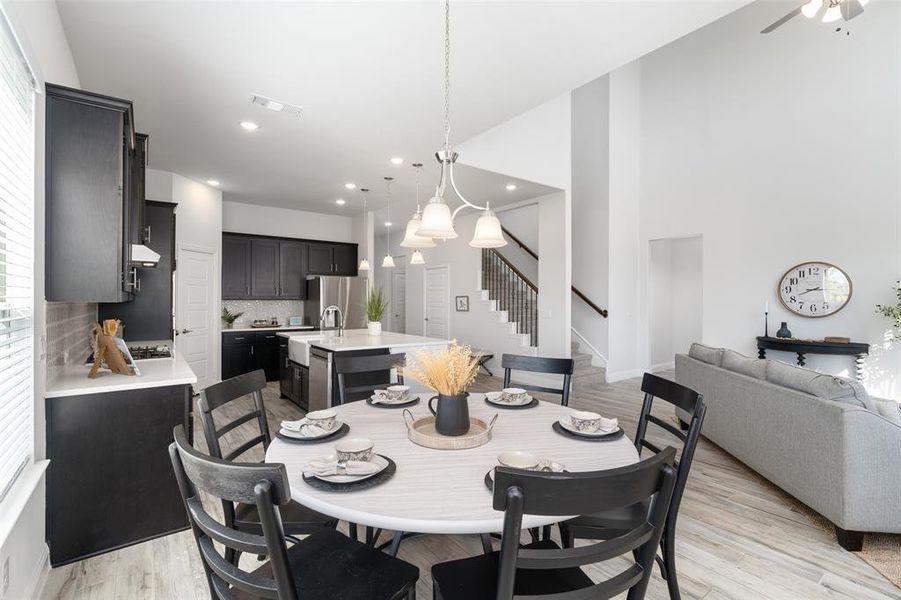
{"x":859,"y":350}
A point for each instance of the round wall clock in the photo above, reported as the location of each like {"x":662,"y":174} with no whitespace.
{"x":815,"y":289}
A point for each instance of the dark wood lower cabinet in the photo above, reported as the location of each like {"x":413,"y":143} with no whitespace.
{"x":294,"y":379}
{"x":246,"y":351}
{"x":110,"y":482}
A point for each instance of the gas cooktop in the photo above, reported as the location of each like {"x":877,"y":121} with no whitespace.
{"x":145,"y":352}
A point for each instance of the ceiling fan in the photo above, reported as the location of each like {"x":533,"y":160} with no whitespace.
{"x":829,"y":11}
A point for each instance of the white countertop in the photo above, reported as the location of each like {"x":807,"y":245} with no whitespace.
{"x":359,"y":339}
{"x":72,"y":379}
{"x":279,"y":328}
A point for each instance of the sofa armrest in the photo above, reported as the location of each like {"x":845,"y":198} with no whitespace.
{"x":871,"y":472}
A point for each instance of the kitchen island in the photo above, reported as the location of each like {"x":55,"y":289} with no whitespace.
{"x":314,"y":353}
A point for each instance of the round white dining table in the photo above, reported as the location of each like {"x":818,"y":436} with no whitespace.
{"x":442,"y":491}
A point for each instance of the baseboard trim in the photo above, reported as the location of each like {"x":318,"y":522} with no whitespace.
{"x":667,"y":366}
{"x":614,"y":376}
{"x":39,"y":575}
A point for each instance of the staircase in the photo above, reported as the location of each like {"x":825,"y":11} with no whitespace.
{"x":514,"y":299}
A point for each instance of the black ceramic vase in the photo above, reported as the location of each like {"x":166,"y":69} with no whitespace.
{"x":784,"y":331}
{"x":452,"y":415}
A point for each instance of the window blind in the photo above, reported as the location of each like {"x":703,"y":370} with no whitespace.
{"x":17,"y":98}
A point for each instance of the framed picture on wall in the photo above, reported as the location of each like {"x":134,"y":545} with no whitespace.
{"x":462,"y":303}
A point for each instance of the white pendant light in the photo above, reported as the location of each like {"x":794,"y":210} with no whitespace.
{"x":388,"y":261}
{"x":833,"y":13}
{"x":417,"y":258}
{"x":411,"y":240}
{"x":811,"y":9}
{"x":364,"y":264}
{"x":437,"y":219}
{"x":488,"y":232}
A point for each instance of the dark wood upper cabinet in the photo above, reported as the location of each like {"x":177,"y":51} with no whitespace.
{"x":90,"y":144}
{"x":292,"y":274}
{"x":345,"y":258}
{"x":320,"y":260}
{"x":264,"y":269}
{"x":235,"y":267}
{"x":332,"y":259}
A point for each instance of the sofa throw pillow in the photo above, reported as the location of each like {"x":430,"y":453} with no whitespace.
{"x":707,"y":354}
{"x":739,"y":363}
{"x":790,"y":376}
{"x":890,"y":409}
{"x":840,"y":389}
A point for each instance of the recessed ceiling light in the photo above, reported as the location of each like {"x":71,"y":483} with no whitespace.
{"x":397,"y":160}
{"x":249,"y":125}
{"x":213,"y":182}
{"x":388,"y":223}
{"x":350,"y":186}
{"x":340,"y":201}
{"x":510,"y":187}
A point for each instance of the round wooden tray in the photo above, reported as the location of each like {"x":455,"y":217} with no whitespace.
{"x":422,"y":432}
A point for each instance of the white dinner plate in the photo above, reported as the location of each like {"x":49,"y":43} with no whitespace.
{"x":297,"y":435}
{"x":377,"y":460}
{"x":565,"y":423}
{"x":407,"y":399}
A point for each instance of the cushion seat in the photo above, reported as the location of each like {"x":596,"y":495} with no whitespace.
{"x":475,"y":578}
{"x":328,"y":565}
{"x":295,"y":518}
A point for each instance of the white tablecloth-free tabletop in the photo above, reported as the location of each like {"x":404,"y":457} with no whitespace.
{"x":442,"y":491}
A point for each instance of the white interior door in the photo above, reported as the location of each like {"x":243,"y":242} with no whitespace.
{"x":399,"y":302}
{"x":437,"y":302}
{"x":195,"y":313}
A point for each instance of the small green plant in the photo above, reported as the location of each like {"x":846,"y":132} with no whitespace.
{"x":376,"y":303}
{"x":893,"y":312}
{"x":229,"y":317}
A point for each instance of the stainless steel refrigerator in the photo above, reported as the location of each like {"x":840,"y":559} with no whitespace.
{"x":347,"y":293}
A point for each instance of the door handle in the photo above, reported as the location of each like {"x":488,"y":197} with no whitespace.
{"x":187,"y":331}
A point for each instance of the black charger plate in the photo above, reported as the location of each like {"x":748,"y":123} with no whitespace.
{"x":338,"y":433}
{"x":411,"y":402}
{"x":609,"y":437}
{"x":363,"y":484}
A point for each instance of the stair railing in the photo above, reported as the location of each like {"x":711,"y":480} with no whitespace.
{"x":579,"y":294}
{"x":513,"y":292}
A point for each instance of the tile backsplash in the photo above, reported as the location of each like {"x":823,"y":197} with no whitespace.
{"x":69,"y":331}
{"x":264,"y":309}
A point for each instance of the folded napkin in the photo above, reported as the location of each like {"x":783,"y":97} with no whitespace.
{"x":304,"y":428}
{"x":329,"y":466}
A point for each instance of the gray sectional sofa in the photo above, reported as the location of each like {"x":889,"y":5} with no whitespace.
{"x":820,"y":438}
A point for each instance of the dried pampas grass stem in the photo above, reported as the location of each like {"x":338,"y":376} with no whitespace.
{"x":448,"y":373}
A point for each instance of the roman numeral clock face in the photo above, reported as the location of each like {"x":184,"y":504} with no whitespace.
{"x":815,"y":289}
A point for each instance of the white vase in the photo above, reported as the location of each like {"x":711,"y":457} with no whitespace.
{"x":374,"y":327}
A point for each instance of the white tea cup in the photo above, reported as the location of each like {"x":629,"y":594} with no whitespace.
{"x":359,"y":449}
{"x":322,"y":418}
{"x":518,"y":460}
{"x":398,"y":393}
{"x":513,"y":394}
{"x":584,"y":420}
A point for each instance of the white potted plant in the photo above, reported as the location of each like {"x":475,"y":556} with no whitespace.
{"x":376,"y":303}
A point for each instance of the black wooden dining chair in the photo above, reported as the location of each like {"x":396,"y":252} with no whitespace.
{"x":539,"y":364}
{"x":543,"y":568}
{"x":373,"y":371}
{"x":601,"y":524}
{"x":325,"y":565}
{"x":298,"y":519}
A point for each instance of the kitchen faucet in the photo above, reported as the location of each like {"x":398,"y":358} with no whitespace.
{"x":339,"y":324}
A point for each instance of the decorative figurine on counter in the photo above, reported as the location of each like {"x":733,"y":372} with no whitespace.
{"x":106,"y":349}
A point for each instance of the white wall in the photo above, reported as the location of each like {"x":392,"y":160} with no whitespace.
{"x":283,"y":222}
{"x":38,"y":28}
{"x":521,"y":221}
{"x":554,"y":293}
{"x":780,"y":149}
{"x":591,"y":199}
{"x":674,"y":298}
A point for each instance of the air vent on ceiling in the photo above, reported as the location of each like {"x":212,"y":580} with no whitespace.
{"x":276,"y":105}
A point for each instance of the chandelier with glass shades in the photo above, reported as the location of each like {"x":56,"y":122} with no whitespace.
{"x":436,"y":220}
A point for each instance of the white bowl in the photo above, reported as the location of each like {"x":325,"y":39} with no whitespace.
{"x":322,"y":418}
{"x":584,"y":420}
{"x":518,"y":460}
{"x":398,"y":392}
{"x":514,"y":394}
{"x":354,"y":449}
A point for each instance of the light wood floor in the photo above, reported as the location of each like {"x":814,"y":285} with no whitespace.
{"x":738,"y":537}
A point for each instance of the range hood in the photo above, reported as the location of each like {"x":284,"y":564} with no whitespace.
{"x":144,"y":256}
